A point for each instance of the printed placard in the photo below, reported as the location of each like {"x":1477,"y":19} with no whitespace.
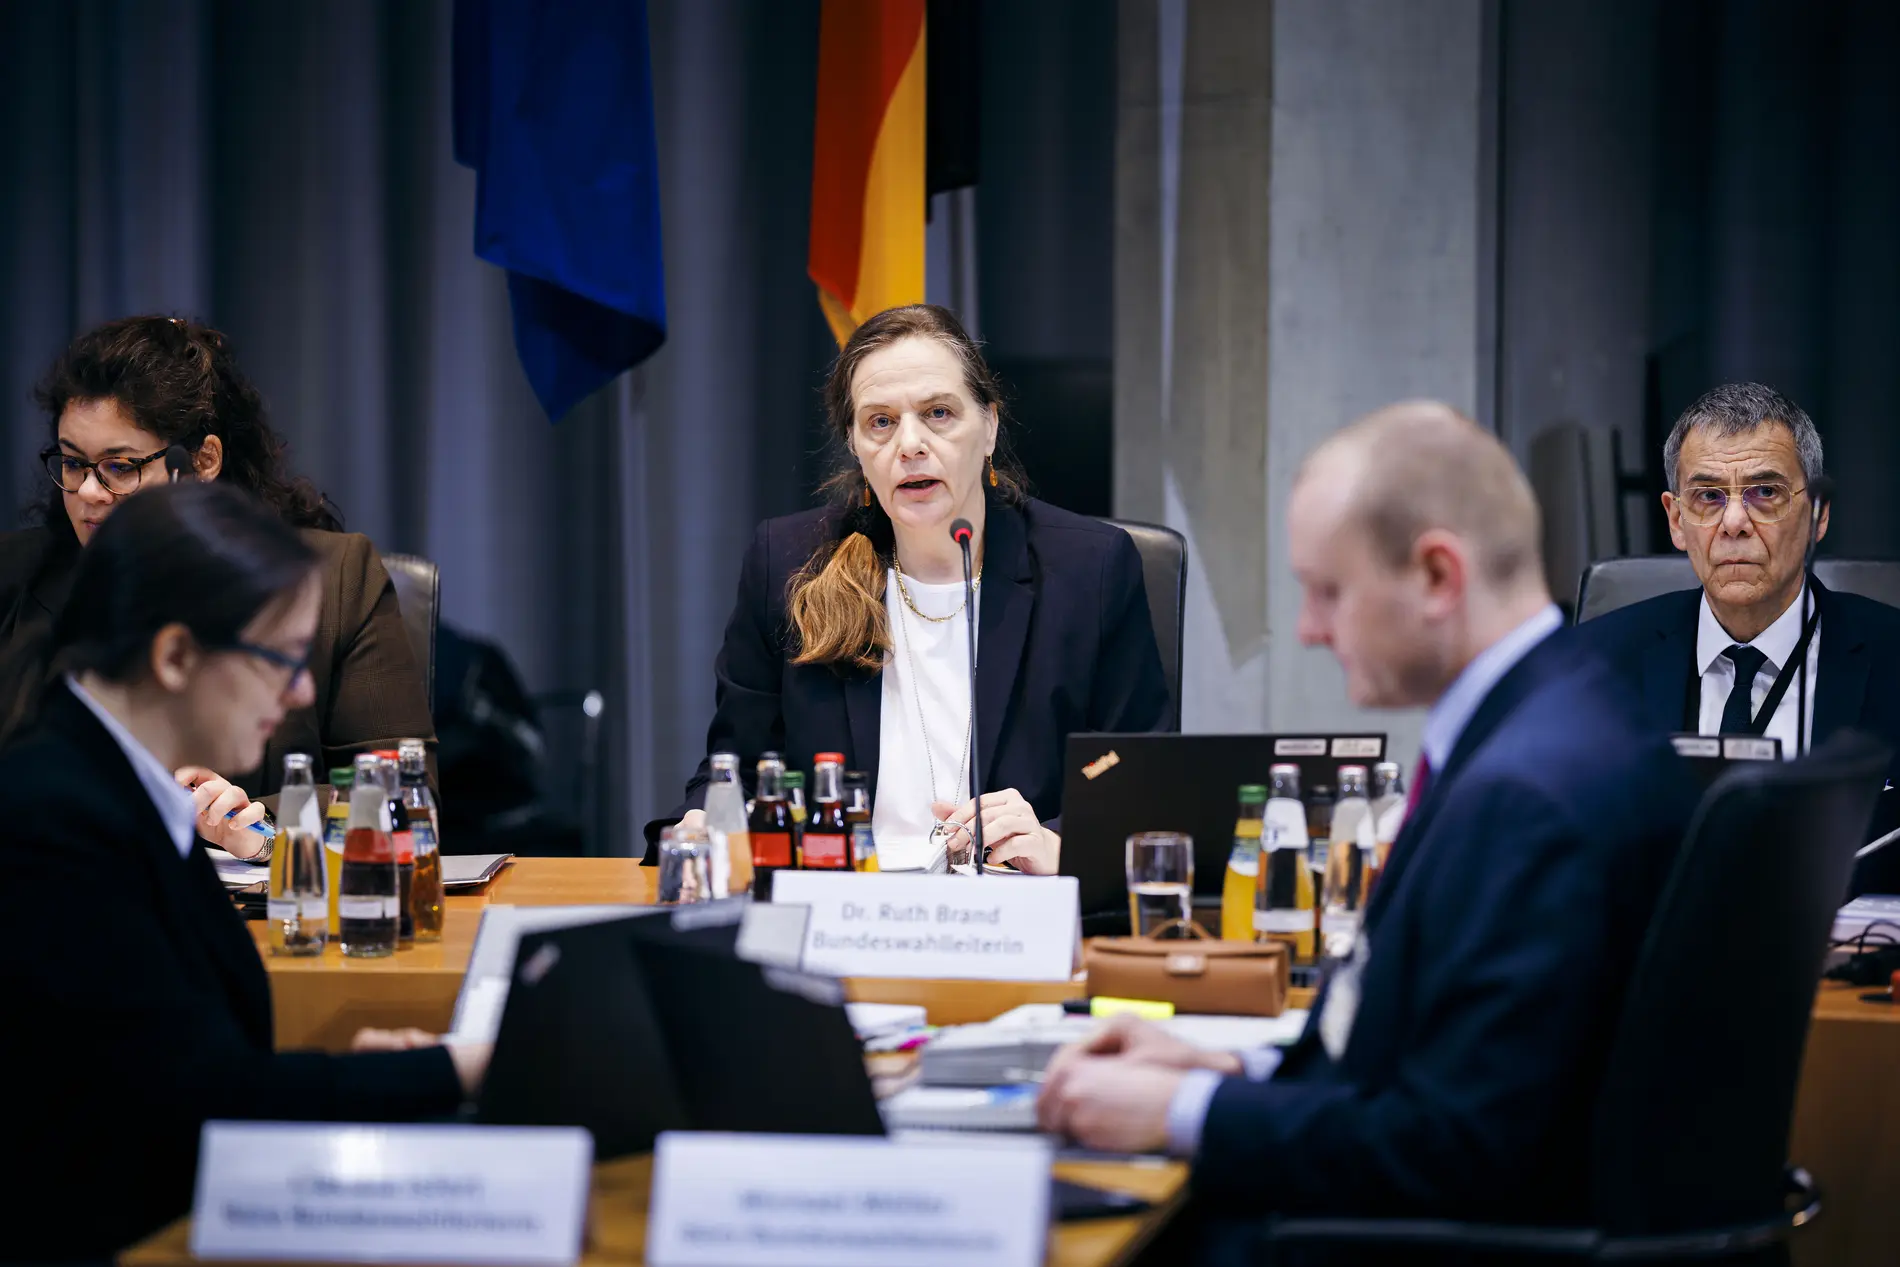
{"x":1697,"y":745}
{"x":978,"y":928}
{"x":730,"y":1200}
{"x":1299,"y":747}
{"x":391,"y":1194}
{"x":1360,"y":748}
{"x":1744,"y":748}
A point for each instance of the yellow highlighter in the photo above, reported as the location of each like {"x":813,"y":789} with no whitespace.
{"x":1146,"y":1009}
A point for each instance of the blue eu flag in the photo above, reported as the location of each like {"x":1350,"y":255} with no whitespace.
{"x":554,"y":111}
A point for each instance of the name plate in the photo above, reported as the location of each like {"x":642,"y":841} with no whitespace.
{"x":396,"y":1194}
{"x":724,"y":1200}
{"x":979,"y":928}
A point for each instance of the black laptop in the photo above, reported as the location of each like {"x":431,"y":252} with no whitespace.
{"x":1116,"y":785}
{"x":580,"y":1043}
{"x":638,"y":1026}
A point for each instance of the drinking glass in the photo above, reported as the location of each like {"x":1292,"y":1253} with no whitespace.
{"x":1160,"y":882}
{"x":686,"y":865}
{"x":299,"y":901}
{"x":1348,"y":885}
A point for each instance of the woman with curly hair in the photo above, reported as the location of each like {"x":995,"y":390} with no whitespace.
{"x":117,"y":400}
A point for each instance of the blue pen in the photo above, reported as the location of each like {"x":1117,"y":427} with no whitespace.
{"x":262,"y":826}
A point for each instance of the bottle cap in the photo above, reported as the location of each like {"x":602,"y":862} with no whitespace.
{"x":342,"y":776}
{"x":1282,"y":767}
{"x":1251,"y":792}
{"x":794,"y":778}
{"x":828,"y":758}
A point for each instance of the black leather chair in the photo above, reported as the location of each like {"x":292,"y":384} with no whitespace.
{"x":1612,"y":583}
{"x":1691,"y":1130}
{"x":1164,"y":571}
{"x":419,"y":594}
{"x":571,"y":762}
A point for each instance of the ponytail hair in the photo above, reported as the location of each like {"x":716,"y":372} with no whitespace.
{"x":836,"y":601}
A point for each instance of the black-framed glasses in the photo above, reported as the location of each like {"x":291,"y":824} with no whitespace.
{"x":296,"y":666}
{"x":1766,"y":502}
{"x":117,"y":476}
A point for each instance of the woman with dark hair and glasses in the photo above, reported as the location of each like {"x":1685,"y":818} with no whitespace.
{"x":118,"y":398}
{"x":137,"y":1009}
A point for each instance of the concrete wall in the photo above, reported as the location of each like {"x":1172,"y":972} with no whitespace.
{"x":1303,"y":190}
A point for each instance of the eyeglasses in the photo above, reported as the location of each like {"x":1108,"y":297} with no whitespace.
{"x":117,"y":476}
{"x":297,"y":666}
{"x":1766,"y":503}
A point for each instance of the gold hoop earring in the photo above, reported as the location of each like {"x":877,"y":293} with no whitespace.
{"x":990,"y":466}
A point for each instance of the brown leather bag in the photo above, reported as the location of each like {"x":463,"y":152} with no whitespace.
{"x":1196,"y":974}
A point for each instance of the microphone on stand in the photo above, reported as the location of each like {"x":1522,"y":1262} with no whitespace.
{"x":961,"y":533}
{"x":177,"y":463}
{"x":1820,"y":493}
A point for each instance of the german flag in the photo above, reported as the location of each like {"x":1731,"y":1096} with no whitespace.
{"x":867,"y":189}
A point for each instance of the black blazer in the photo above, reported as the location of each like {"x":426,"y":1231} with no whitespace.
{"x":1857,"y":682}
{"x":137,"y":1007}
{"x":1064,"y":643}
{"x":1502,"y":937}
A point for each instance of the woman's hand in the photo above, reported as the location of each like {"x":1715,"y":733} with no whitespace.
{"x":392,"y":1039}
{"x":1011,"y":831}
{"x":470,"y":1059}
{"x":217,"y":799}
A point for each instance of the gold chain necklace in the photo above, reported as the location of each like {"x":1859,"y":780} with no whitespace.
{"x":904,"y":592}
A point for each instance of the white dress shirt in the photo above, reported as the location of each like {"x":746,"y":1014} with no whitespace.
{"x":1777,"y":642}
{"x":169,"y":798}
{"x":1444,"y":725}
{"x":923,"y":719}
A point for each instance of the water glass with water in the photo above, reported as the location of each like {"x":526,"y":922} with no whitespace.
{"x":1160,"y":882}
{"x":686,"y":865}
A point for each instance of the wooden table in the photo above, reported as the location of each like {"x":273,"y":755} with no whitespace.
{"x":617,"y":1218}
{"x":322,"y":1001}
{"x":1847,"y":1130}
{"x":1847,"y":1115}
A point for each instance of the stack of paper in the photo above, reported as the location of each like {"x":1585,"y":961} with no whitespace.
{"x":883,"y":1020}
{"x":926,"y":855}
{"x":468,"y":871}
{"x":236,"y":872}
{"x":954,"y":1108}
{"x":1017,"y":1046}
{"x":1863,"y":913}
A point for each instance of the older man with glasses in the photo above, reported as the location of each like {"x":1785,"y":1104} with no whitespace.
{"x":1724,"y":659}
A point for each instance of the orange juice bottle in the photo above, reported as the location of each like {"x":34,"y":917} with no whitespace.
{"x":1242,"y":883}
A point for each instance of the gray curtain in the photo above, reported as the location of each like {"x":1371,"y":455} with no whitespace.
{"x":283,"y":171}
{"x":1699,"y":191}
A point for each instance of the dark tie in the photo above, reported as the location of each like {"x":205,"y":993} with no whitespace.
{"x":1421,"y":778}
{"x":1738,"y":712}
{"x":1421,"y":782}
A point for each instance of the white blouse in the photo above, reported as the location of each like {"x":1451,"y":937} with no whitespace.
{"x":923,"y":720}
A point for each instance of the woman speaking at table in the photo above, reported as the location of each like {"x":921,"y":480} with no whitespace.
{"x":118,"y":398}
{"x":849,"y":634}
{"x":137,"y":1007}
